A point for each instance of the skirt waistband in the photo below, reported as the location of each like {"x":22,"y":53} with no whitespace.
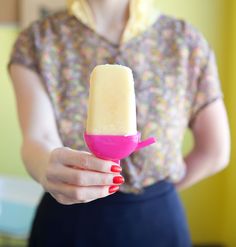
{"x":155,"y":190}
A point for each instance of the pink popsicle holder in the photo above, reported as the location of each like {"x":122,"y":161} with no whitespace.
{"x":115,"y":147}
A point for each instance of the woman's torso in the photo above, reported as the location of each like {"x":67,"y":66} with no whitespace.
{"x":165,"y":69}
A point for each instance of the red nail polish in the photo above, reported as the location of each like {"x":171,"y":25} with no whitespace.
{"x":113,"y":188}
{"x":116,"y":168}
{"x":118,"y":180}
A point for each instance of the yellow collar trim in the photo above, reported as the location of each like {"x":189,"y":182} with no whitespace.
{"x":143,"y":13}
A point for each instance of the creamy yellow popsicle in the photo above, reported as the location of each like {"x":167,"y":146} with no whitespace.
{"x":111,"y":107}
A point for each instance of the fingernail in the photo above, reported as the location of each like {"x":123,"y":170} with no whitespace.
{"x":118,"y":180}
{"x":116,"y":168}
{"x":113,"y":188}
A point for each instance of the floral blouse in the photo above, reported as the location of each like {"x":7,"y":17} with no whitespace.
{"x":175,"y":77}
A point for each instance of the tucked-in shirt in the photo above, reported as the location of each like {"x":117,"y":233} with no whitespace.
{"x":175,"y":77}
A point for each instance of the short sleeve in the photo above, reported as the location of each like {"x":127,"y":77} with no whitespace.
{"x":24,"y":51}
{"x":205,"y":86}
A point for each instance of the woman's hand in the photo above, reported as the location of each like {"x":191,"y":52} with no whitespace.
{"x":69,"y":176}
{"x":211,"y":150}
{"x":77,"y":177}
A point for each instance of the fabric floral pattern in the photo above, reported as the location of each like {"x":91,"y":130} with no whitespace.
{"x":175,"y":77}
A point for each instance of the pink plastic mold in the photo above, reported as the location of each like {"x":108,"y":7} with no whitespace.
{"x":115,"y":147}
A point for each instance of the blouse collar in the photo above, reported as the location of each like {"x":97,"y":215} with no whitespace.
{"x":143,"y":14}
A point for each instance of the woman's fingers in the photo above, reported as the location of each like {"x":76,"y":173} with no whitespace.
{"x":86,"y":177}
{"x":76,"y":177}
{"x":70,"y":194}
{"x":84,"y":160}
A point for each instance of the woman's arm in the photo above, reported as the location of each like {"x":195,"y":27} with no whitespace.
{"x":70,"y":176}
{"x":36,"y":120}
{"x":212,"y":144}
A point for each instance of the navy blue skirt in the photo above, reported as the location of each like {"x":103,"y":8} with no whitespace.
{"x":154,"y":218}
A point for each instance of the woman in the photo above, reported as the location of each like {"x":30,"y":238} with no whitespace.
{"x":176,"y":85}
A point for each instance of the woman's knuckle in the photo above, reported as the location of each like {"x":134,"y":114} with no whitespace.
{"x":82,"y":159}
{"x":56,"y":153}
{"x":59,"y":154}
{"x":79,"y":195}
{"x":74,"y":193}
{"x":78,"y":178}
{"x":88,"y":161}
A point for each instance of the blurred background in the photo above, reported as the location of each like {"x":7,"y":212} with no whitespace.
{"x":210,"y":205}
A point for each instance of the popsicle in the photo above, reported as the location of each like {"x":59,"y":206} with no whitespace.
{"x":111,"y":128}
{"x":112,"y":107}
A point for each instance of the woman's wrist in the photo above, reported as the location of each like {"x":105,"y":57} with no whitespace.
{"x":36,"y":157}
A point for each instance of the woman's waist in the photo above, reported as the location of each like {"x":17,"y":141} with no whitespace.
{"x":157,"y":189}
